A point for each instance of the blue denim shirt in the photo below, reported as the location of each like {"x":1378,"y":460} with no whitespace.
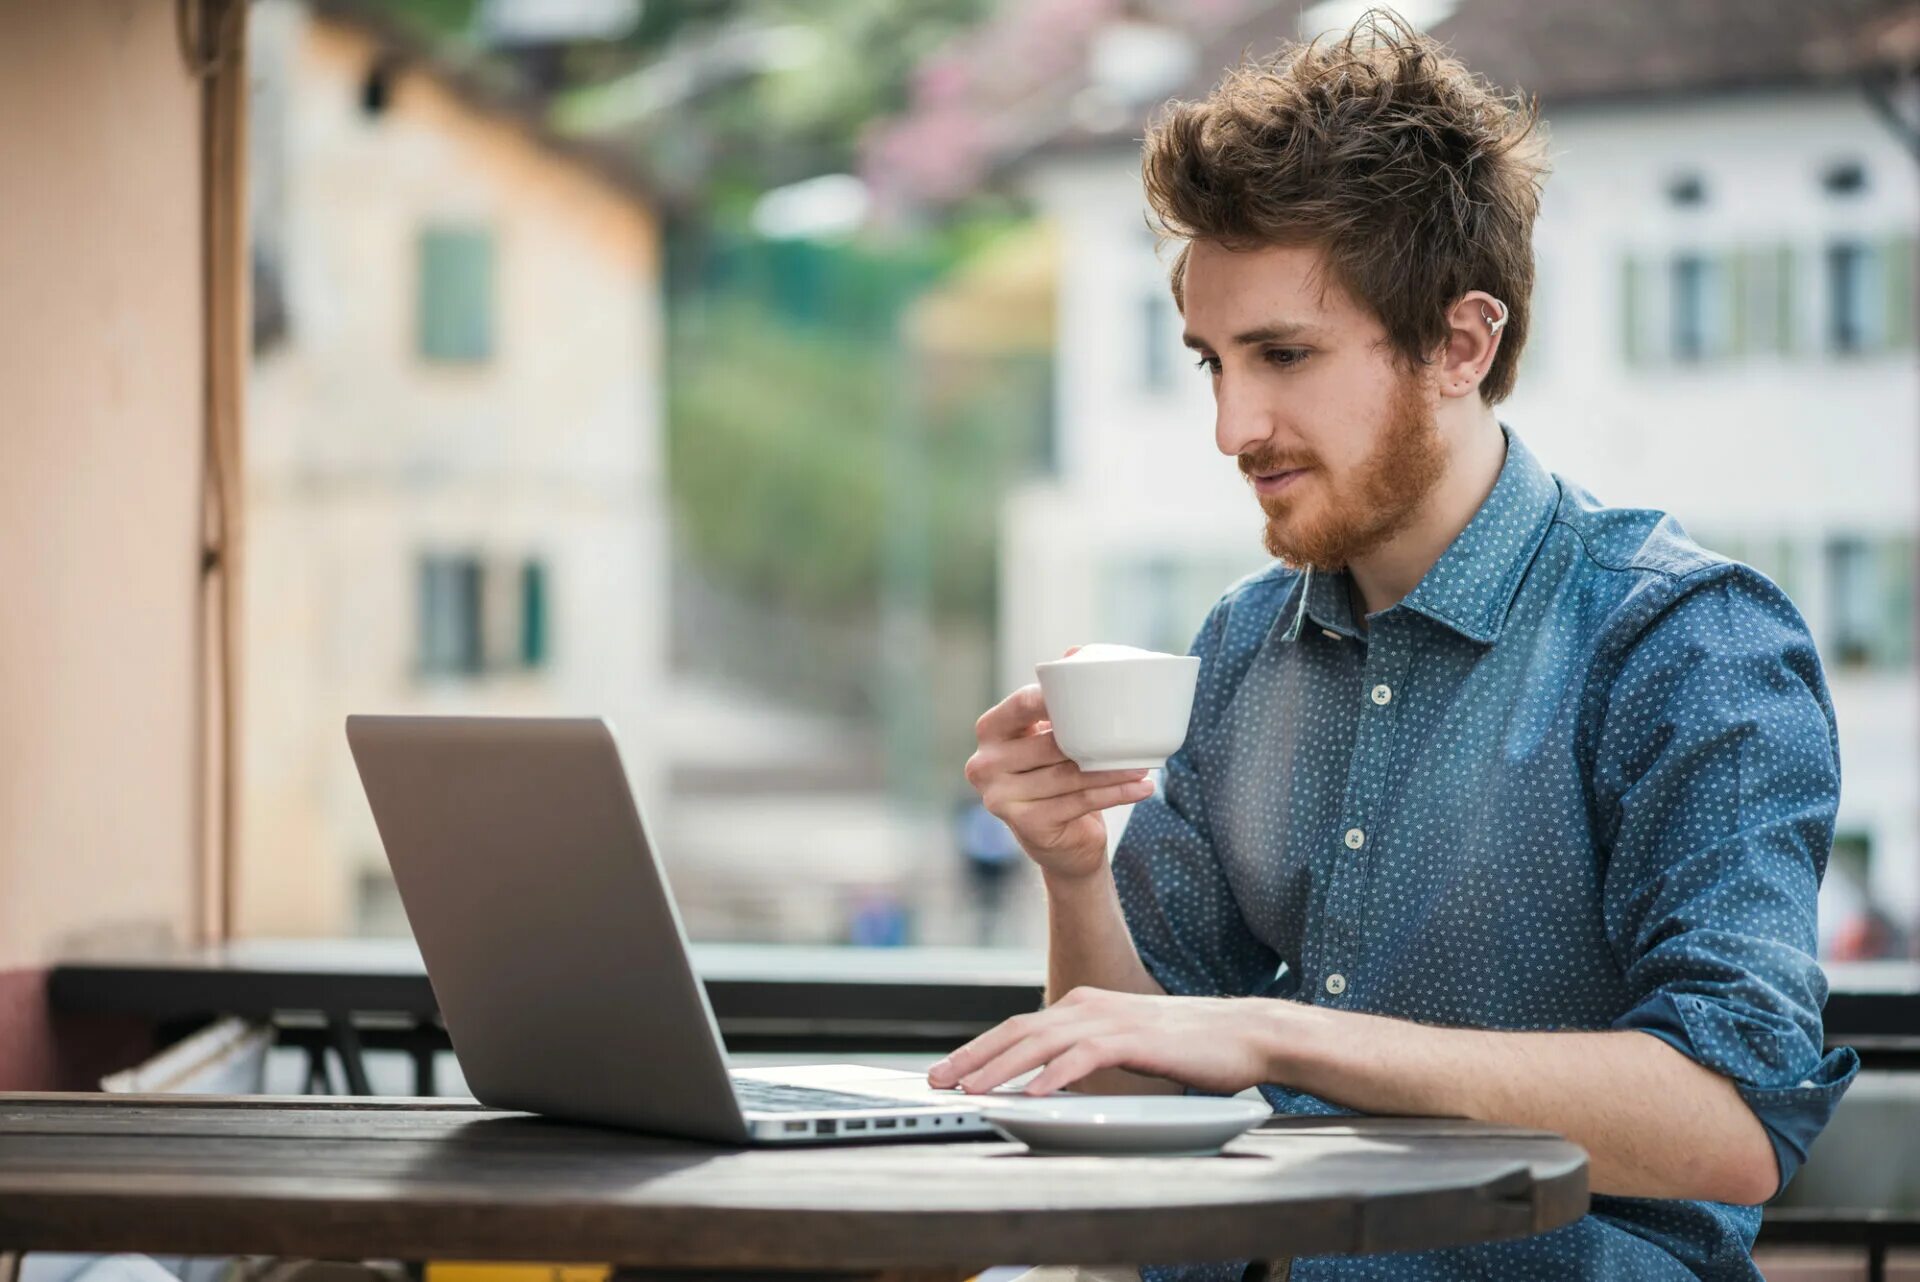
{"x":1583,"y":776}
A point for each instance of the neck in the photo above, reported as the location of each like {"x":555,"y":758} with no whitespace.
{"x":1390,"y":571}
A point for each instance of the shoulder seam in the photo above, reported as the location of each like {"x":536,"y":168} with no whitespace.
{"x":1630,"y":567}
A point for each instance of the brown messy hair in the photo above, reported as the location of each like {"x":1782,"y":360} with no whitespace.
{"x":1416,"y":179}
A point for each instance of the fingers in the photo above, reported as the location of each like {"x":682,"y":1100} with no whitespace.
{"x":1028,"y":1053}
{"x":1033,"y":767}
{"x":1053,"y":781}
{"x":950,"y":1070}
{"x":1064,"y":1048}
{"x":1088,"y":1057}
{"x":1011,"y":716}
{"x":1057,"y":812}
{"x":1076,"y":1008}
{"x":1027,"y":753}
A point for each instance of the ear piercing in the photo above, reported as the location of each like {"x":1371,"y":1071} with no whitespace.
{"x":1494,"y":326}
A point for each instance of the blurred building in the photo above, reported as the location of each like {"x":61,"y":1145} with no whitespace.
{"x":1723,"y":322}
{"x":454,"y":464}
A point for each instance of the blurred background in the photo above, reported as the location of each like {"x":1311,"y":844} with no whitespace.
{"x":783,"y":378}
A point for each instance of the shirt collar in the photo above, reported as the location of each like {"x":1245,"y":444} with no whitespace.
{"x":1471,"y":587}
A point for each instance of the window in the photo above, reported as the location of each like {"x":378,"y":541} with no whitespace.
{"x":1143,"y":608}
{"x":1853,"y":926}
{"x":1679,"y":308}
{"x":1870,"y":295}
{"x":479,"y":616}
{"x":1844,"y":178}
{"x":1870,"y":601}
{"x":1159,"y":602}
{"x":1774,"y":555}
{"x":1850,"y":600}
{"x":1687,"y":189}
{"x":456,"y":294}
{"x":1854,"y":304}
{"x":1702,"y":320}
{"x":1158,"y":340}
{"x":376,"y":91}
{"x":450,"y":615}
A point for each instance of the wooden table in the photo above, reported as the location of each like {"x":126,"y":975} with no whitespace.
{"x":418,"y":1179}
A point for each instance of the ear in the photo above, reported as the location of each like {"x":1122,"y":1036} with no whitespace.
{"x":1473,"y":338}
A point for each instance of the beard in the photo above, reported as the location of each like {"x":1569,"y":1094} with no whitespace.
{"x":1359,"y":512}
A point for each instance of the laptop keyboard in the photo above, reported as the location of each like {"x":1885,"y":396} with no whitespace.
{"x":777,"y":1097}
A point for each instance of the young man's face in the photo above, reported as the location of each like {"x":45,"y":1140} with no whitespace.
{"x":1337,"y":439}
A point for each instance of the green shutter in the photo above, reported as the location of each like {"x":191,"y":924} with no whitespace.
{"x":1896,"y":602}
{"x":1896,"y":259}
{"x":1632,"y":286}
{"x":533,"y":614}
{"x":1784,"y":268}
{"x":456,"y":294}
{"x":1739,"y":284}
{"x":1759,"y":322}
{"x":1787,"y":562}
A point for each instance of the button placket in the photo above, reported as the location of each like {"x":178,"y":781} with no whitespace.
{"x":1366,"y":787}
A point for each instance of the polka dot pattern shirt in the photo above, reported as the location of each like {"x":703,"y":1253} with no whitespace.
{"x":1584,"y":776}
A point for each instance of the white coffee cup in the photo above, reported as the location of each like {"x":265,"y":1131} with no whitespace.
{"x":1117,"y":708}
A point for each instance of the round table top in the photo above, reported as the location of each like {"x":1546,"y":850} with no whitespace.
{"x":423,"y":1179}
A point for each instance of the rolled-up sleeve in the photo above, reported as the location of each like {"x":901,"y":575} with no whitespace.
{"x":1717,"y":780}
{"x":1185,"y":922}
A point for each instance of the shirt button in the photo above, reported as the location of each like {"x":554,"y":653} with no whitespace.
{"x":1382,"y":695}
{"x":1336,"y":984}
{"x":1355,"y":839}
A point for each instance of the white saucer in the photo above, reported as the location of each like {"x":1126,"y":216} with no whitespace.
{"x":1190,"y":1125}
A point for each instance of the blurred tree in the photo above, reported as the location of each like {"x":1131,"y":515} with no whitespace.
{"x":777,"y":460}
{"x":725,"y":99}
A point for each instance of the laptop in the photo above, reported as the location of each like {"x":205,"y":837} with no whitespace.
{"x":556,"y":952}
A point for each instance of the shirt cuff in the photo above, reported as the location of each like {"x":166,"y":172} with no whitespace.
{"x":1793,"y":1114}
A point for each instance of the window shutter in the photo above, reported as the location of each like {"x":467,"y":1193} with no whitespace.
{"x":1739,"y":283}
{"x":533,"y":614}
{"x":1784,"y":269}
{"x":1760,"y":320}
{"x":456,"y":294}
{"x":1896,"y":258}
{"x":1786,"y":560}
{"x":1896,"y":602}
{"x":1633,"y":344}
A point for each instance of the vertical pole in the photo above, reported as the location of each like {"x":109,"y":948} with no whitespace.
{"x":213,"y":42}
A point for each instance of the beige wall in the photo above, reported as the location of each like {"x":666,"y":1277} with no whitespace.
{"x":100,"y":431}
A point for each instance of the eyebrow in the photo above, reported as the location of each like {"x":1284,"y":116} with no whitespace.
{"x":1279,"y":333}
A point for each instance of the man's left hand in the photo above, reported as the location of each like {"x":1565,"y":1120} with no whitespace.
{"x":1209,"y":1043}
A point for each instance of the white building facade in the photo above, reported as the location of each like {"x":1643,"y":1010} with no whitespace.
{"x":1723,"y":329}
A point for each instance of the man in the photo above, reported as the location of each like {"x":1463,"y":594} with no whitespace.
{"x":1496,"y":802}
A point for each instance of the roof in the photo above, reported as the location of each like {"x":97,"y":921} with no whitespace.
{"x":977,"y":109}
{"x":491,"y":89}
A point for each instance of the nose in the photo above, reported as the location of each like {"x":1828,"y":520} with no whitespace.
{"x":1240,"y":422}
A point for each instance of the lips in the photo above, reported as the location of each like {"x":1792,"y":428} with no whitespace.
{"x":1267,"y":484}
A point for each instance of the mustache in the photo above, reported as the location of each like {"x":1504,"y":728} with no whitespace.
{"x":1267,"y":464}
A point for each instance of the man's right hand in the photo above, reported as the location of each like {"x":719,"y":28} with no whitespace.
{"x":1052,"y":806}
